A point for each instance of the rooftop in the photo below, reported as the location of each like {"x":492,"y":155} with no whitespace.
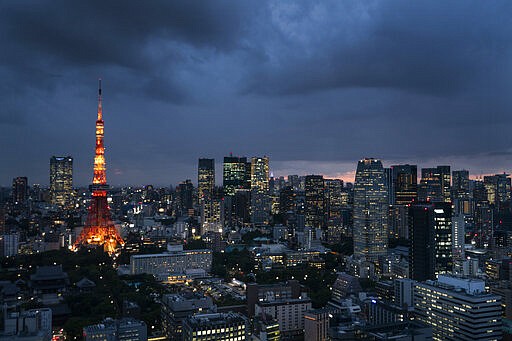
{"x":215,"y":319}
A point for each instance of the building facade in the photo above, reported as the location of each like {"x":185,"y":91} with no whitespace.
{"x":430,"y":232}
{"x":405,"y":184}
{"x":315,"y":201}
{"x":172,"y":262}
{"x":458,"y":309}
{"x":61,"y":180}
{"x":370,"y":211}
{"x":224,"y":327}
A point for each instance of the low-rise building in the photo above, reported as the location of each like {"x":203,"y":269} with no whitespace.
{"x":225,"y":327}
{"x":177,"y":307}
{"x":172,"y":262}
{"x":458,"y":309}
{"x":288,"y":312}
{"x":125,"y":329}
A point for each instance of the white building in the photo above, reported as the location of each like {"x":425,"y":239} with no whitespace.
{"x":289,"y":313}
{"x":458,"y":309}
{"x":176,"y":260}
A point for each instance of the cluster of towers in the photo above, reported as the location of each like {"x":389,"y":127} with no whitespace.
{"x":244,"y":198}
{"x":434,"y":215}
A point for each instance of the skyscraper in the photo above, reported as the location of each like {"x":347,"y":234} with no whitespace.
{"x":210,"y":202}
{"x":435,"y":184}
{"x":461,"y":193}
{"x":333,"y":198}
{"x":61,"y":180}
{"x":19,"y":189}
{"x":370,"y":210}
{"x":315,"y":201}
{"x":205,"y":178}
{"x":460,"y":184}
{"x":430,"y":232}
{"x":405,"y":183}
{"x":185,"y":192}
{"x":498,"y":188}
{"x":260,"y":174}
{"x":260,"y":199}
{"x":236,"y":174}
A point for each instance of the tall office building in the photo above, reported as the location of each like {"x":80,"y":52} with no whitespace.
{"x":435,"y":184}
{"x":405,"y":183}
{"x":458,"y":309}
{"x":260,"y":174}
{"x":370,"y":211}
{"x":61,"y":180}
{"x":185,"y":193}
{"x":460,"y":184}
{"x":209,"y":199}
{"x":260,"y":199}
{"x":333,"y":198}
{"x":2,"y":219}
{"x":430,"y":232}
{"x":461,"y":193}
{"x":19,"y":189}
{"x":498,"y":188}
{"x":205,"y":178}
{"x":315,"y":201}
{"x":236,"y":174}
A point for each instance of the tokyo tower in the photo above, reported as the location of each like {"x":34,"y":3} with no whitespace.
{"x":99,"y":228}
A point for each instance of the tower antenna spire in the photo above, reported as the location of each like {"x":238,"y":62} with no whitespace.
{"x":100,"y":109}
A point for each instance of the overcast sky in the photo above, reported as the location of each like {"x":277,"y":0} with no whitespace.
{"x":314,"y":85}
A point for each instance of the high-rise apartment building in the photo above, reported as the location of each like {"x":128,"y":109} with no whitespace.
{"x":458,"y":309}
{"x":405,"y":183}
{"x":430,"y":232}
{"x":370,"y":211}
{"x":19,"y":189}
{"x":61,"y":180}
{"x":315,"y":201}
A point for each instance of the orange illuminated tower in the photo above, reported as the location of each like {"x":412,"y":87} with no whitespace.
{"x":99,"y":228}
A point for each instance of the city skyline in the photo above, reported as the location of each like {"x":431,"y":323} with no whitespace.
{"x":315,"y":86}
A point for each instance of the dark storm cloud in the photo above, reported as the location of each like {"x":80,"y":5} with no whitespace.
{"x":43,"y":35}
{"x":413,"y":46}
{"x":316,"y":85}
